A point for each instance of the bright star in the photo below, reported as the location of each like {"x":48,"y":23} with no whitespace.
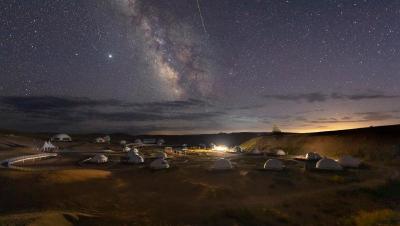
{"x":110,"y":55}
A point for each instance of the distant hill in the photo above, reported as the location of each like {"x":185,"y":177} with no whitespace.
{"x":229,"y":139}
{"x":381,"y":142}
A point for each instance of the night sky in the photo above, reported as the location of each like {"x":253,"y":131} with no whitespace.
{"x":188,"y":66}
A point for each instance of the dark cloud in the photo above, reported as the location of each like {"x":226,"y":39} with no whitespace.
{"x":44,"y":103}
{"x":48,"y":112}
{"x":321,"y":97}
{"x":377,"y":116}
{"x":309,"y":97}
{"x":363,"y":96}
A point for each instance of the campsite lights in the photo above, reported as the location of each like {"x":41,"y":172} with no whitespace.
{"x":220,"y":148}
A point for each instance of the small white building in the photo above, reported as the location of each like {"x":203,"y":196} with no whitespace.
{"x":328,"y":164}
{"x":48,"y":147}
{"x":126,"y":149}
{"x":222,"y":164}
{"x":280,"y":152}
{"x":313,"y":156}
{"x":159,"y":163}
{"x":99,"y":140}
{"x":134,"y":158}
{"x":349,"y":161}
{"x":273,"y":164}
{"x":160,"y":142}
{"x":62,"y":137}
{"x":99,"y":158}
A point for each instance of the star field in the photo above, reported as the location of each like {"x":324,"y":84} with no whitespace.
{"x":226,"y":65}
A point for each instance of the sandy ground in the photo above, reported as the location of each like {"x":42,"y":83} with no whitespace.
{"x":60,"y":191}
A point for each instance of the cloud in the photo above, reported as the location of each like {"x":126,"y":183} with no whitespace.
{"x":309,"y":97}
{"x":48,"y":112}
{"x":321,"y":97}
{"x":363,"y":96}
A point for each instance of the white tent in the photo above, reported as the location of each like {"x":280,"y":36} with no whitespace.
{"x":280,"y":152}
{"x":100,"y":140}
{"x":126,"y":149}
{"x":61,"y":137}
{"x":98,"y":158}
{"x":349,"y":161}
{"x":313,"y":156}
{"x":159,"y":163}
{"x":256,"y":152}
{"x":107,"y":139}
{"x":273,"y":164}
{"x":135,"y":158}
{"x":135,"y":150}
{"x":328,"y":164}
{"x":222,"y":164}
{"x":48,"y":147}
{"x":160,"y":142}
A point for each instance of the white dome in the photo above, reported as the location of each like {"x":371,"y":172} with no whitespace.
{"x":99,"y":158}
{"x":256,"y":152}
{"x":135,"y":150}
{"x":122,"y":142}
{"x":222,"y":164}
{"x":273,"y":164}
{"x":126,"y":149}
{"x":133,"y":157}
{"x":328,"y":164}
{"x":280,"y":152}
{"x":48,"y":146}
{"x":61,"y":137}
{"x":349,"y":161}
{"x":159,"y":164}
{"x":313,"y":156}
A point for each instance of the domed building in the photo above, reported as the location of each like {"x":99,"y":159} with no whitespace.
{"x":256,"y":152}
{"x":99,"y":158}
{"x":349,"y":161}
{"x":273,"y":164}
{"x":126,"y":149}
{"x":328,"y":164}
{"x":134,"y":158}
{"x":313,"y":156}
{"x":280,"y":152}
{"x":62,"y":137}
{"x":222,"y":164}
{"x":159,"y":163}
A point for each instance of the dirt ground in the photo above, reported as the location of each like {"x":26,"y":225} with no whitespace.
{"x":61,"y":191}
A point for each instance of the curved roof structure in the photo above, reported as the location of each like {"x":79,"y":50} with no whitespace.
{"x":328,"y":164}
{"x":222,"y":164}
{"x":273,"y":164}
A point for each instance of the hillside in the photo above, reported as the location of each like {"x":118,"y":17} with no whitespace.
{"x":371,"y":143}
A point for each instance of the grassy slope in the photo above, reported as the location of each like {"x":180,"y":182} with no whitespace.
{"x":370,"y":143}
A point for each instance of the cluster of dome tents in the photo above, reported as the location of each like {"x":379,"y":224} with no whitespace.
{"x":133,"y":156}
{"x":324,"y":163}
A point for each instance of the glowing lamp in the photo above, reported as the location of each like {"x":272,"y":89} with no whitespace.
{"x":220,"y":148}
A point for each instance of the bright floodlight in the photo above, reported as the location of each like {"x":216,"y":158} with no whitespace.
{"x":220,"y":148}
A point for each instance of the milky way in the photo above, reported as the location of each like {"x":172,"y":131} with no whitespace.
{"x":194,"y":66}
{"x":172,"y":49}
